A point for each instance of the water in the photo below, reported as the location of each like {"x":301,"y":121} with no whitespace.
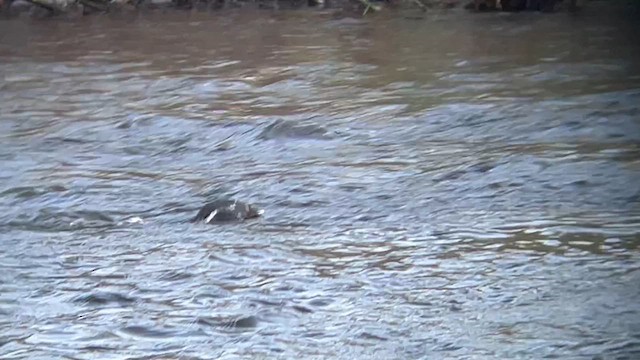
{"x":457,"y":187}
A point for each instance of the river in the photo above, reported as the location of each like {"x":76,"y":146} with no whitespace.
{"x":462,"y":186}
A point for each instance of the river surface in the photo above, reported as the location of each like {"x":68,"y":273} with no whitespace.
{"x":455,"y":187}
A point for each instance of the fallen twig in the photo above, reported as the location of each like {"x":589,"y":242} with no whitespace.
{"x":368,"y":5}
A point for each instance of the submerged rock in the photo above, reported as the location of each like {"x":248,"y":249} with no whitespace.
{"x":292,"y":129}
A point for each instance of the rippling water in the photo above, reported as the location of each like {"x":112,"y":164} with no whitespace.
{"x":457,"y":187}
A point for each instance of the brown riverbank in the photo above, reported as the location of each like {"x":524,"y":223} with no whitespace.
{"x":76,"y":8}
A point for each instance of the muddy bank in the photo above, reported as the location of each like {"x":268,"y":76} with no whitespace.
{"x":76,"y":8}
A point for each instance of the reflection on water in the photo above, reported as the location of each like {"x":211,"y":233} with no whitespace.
{"x":456,"y":187}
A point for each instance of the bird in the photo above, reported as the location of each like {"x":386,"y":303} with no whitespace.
{"x":227,"y":210}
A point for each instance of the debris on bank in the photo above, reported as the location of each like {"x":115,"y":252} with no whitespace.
{"x":43,"y":8}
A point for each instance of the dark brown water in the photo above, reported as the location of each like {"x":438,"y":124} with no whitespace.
{"x":457,"y":187}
